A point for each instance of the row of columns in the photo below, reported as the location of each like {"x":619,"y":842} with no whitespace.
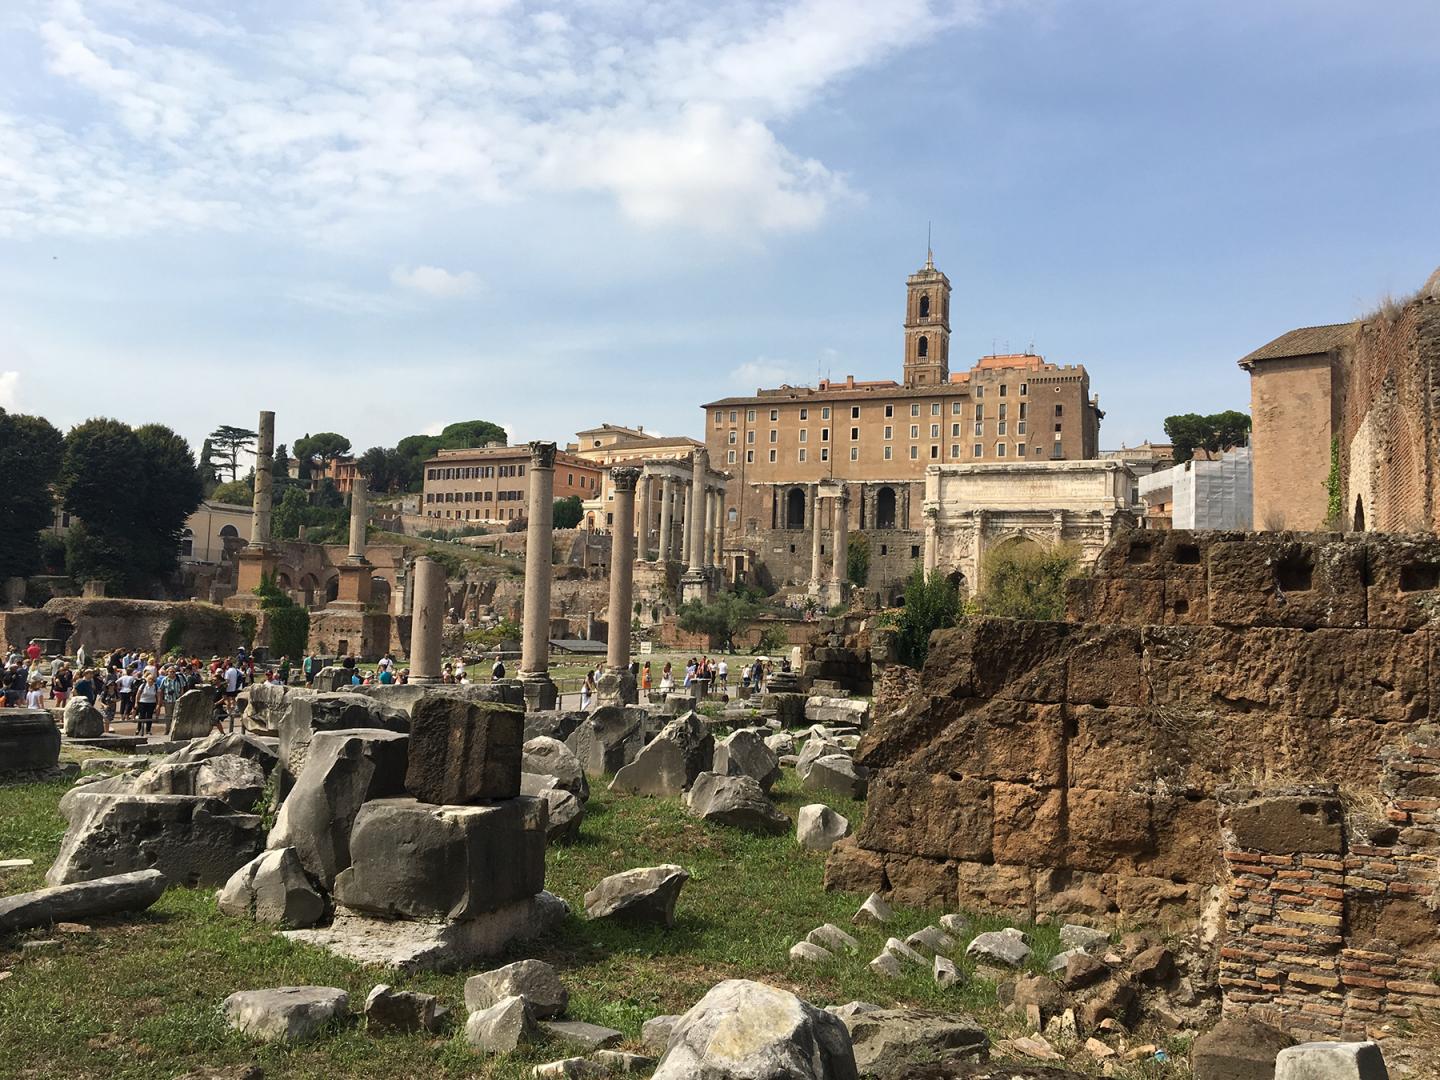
{"x":691,"y":528}
{"x":840,"y":533}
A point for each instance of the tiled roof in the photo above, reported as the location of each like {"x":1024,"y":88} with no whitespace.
{"x":1306,"y":341}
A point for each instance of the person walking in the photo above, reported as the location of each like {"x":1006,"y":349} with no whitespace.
{"x":147,"y":697}
{"x":587,"y":690}
{"x":35,"y":696}
{"x":309,"y":667}
{"x":232,"y":680}
{"x":125,"y":693}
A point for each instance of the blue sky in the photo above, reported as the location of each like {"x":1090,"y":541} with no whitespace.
{"x":378,"y":217}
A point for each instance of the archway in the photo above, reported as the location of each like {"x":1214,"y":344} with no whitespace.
{"x":795,"y":508}
{"x":62,"y":632}
{"x":308,"y":586}
{"x":1359,"y":514}
{"x":885,"y":508}
{"x":332,"y":589}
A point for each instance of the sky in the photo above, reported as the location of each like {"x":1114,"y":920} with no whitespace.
{"x":377,"y":217}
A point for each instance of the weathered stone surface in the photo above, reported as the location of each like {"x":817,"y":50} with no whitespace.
{"x":433,"y":945}
{"x":236,"y":781}
{"x":646,"y":894}
{"x":306,"y":713}
{"x":553,"y":724}
{"x":737,"y":801}
{"x":887,"y":965}
{"x":345,"y":769}
{"x":134,"y":891}
{"x":388,"y":1009}
{"x":931,"y":940}
{"x":745,"y":753}
{"x":499,"y":1028}
{"x":782,"y":744}
{"x":29,"y":741}
{"x":1075,"y":936}
{"x":577,"y":1033}
{"x":545,"y":756}
{"x":264,"y":752}
{"x":534,"y":980}
{"x":888,"y":1039}
{"x":191,"y":840}
{"x":1002,"y":947}
{"x":464,"y":752}
{"x":194,"y":714}
{"x":285,"y":1014}
{"x":413,"y":860}
{"x":837,"y":774}
{"x":566,"y":812}
{"x":1287,"y":824}
{"x":272,"y":888}
{"x":607,"y":740}
{"x":743,"y":1029}
{"x":655,"y":1032}
{"x":905,"y":953}
{"x":819,"y":828}
{"x":82,"y":720}
{"x":918,"y":813}
{"x":1331,"y":1061}
{"x":945,"y":972}
{"x":572,"y":1068}
{"x":832,"y":937}
{"x":816,"y":746}
{"x":1082,"y":970}
{"x":810,"y":953}
{"x":670,"y":762}
{"x":1238,"y":1048}
{"x":876,"y":909}
{"x":619,"y":1061}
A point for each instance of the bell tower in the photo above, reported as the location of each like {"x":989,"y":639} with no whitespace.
{"x":927,"y":326}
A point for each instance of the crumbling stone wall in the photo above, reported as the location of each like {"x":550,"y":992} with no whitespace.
{"x":194,"y":628}
{"x":836,"y":656}
{"x":1077,"y":769}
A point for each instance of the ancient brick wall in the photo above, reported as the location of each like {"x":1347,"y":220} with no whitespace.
{"x":1077,"y":768}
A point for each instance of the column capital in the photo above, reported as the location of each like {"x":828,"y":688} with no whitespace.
{"x":542,"y":455}
{"x":624,"y":478}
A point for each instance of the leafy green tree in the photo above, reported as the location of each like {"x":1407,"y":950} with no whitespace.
{"x":383,"y":468}
{"x":857,"y":559}
{"x":288,"y":621}
{"x":1215,"y":433}
{"x":465,"y":434}
{"x":721,"y":619}
{"x":317,"y":451}
{"x":568,"y":512}
{"x":234,"y":492}
{"x":31,"y":451}
{"x":209,"y":478}
{"x":1026,"y":581}
{"x":414,"y":450}
{"x":226,"y":443}
{"x":932,"y":602}
{"x":170,"y":491}
{"x":280,"y":467}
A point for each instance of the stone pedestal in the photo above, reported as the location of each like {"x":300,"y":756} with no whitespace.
{"x":29,"y":741}
{"x":541,"y":693}
{"x":617,"y":688}
{"x":696,"y":584}
{"x":428,"y":622}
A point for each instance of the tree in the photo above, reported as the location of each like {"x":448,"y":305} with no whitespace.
{"x":234,"y":493}
{"x":721,"y":619}
{"x":317,"y":451}
{"x":280,"y":467}
{"x":132,"y":491}
{"x":209,"y":478}
{"x":568,"y":512}
{"x":465,"y":434}
{"x":517,"y":525}
{"x":30,"y":456}
{"x":1215,"y":433}
{"x":1026,"y":581}
{"x":932,"y":602}
{"x":384,"y":469}
{"x":415,"y":450}
{"x":857,"y":560}
{"x":226,"y":444}
{"x":289,"y":622}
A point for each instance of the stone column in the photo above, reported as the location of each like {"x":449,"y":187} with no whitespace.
{"x":642,"y":528}
{"x":687,"y":520}
{"x":622,"y":565}
{"x":667,"y":507}
{"x":264,"y":462}
{"x":427,"y":622}
{"x":932,"y":539}
{"x":696,"y":532}
{"x":815,"y":578}
{"x":358,"y":517}
{"x":539,"y":551}
{"x":719,"y":555}
{"x":841,"y":540}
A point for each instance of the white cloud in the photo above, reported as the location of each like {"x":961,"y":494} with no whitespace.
{"x":765,"y":373}
{"x":309,"y":114}
{"x":9,"y":389}
{"x":434,"y":280}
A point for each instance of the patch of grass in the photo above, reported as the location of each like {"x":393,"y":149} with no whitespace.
{"x":139,"y":997}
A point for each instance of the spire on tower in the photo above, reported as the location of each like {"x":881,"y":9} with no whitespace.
{"x":929,"y":252}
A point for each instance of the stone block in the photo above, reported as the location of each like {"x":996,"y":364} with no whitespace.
{"x":1287,"y":580}
{"x":464,"y":752}
{"x":608,"y":740}
{"x":670,"y":762}
{"x":304,"y":713}
{"x":1028,"y":824}
{"x":1104,"y":668}
{"x":29,"y":741}
{"x":1331,"y":1061}
{"x":736,"y":801}
{"x":926,"y":814}
{"x":1110,"y":831}
{"x":1187,"y":839}
{"x":1404,"y":581}
{"x":272,"y":888}
{"x":1288,"y":824}
{"x":1121,"y":749}
{"x":286,"y":1014}
{"x":646,"y":894}
{"x":82,"y":720}
{"x":194,"y":716}
{"x":416,"y":860}
{"x":133,"y":891}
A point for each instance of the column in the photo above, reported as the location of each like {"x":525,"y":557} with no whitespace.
{"x":719,"y":555}
{"x":539,"y":550}
{"x":815,"y":578}
{"x":687,"y":520}
{"x":264,"y":463}
{"x":696,"y":532}
{"x":642,"y":527}
{"x":358,"y":518}
{"x":841,"y":540}
{"x":427,"y":622}
{"x":622,"y":568}
{"x":932,"y":539}
{"x":667,"y":506}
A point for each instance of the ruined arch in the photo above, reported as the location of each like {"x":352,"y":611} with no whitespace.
{"x":1359,"y":514}
{"x":795,"y":508}
{"x":885,"y":503}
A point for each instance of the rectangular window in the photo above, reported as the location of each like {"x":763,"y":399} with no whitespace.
{"x":1024,"y":389}
{"x":1002,"y":389}
{"x":979,"y":413}
{"x":854,"y":453}
{"x":934,"y":408}
{"x":749,"y":457}
{"x":730,"y":457}
{"x":804,"y":434}
{"x":854,"y":433}
{"x":750,"y":416}
{"x":774,"y":415}
{"x":954,"y":408}
{"x":1000,"y":449}
{"x":889,"y":432}
{"x":1020,"y":450}
{"x":914,"y":408}
{"x":1000,"y":428}
{"x":954,"y":450}
{"x":750,"y":437}
{"x":1004,"y":411}
{"x":719,"y":418}
{"x":824,"y":434}
{"x":802,"y":454}
{"x":1019,"y":427}
{"x":774,"y":435}
{"x":889,"y":411}
{"x":772,"y":457}
{"x":914,"y":431}
{"x":804,"y":414}
{"x":732,"y":416}
{"x":824,"y":453}
{"x":979,"y":428}
{"x":934,"y":452}
{"x":1022,"y":410}
{"x":914,"y":453}
{"x":979,"y":392}
{"x":825,"y":413}
{"x":888,"y":453}
{"x":934,"y":431}
{"x":954,"y":431}
{"x":733,"y":437}
{"x":1057,"y":432}
{"x":977,"y":450}
{"x":1059,"y":410}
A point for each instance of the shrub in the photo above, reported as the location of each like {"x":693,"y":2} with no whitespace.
{"x":857,"y":560}
{"x":932,"y":602}
{"x":1026,"y":581}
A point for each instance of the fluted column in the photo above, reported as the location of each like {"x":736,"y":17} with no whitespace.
{"x":718,"y":556}
{"x":932,"y":539}
{"x":264,"y":463}
{"x":359,"y":503}
{"x":687,"y":520}
{"x":696,"y":532}
{"x":539,"y":549}
{"x":427,"y":623}
{"x":815,"y":578}
{"x":622,"y":570}
{"x":667,"y":508}
{"x":841,"y":540}
{"x":642,"y":526}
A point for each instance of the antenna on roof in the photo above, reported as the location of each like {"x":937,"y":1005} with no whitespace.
{"x":929,"y":252}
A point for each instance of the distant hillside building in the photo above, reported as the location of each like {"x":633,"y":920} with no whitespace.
{"x":612,"y":444}
{"x":489,"y":484}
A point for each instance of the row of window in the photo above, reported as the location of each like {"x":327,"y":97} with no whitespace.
{"x":888,"y":452}
{"x":476,"y":515}
{"x":915,"y":406}
{"x":474,"y":496}
{"x":490,"y":472}
{"x":1002,"y":425}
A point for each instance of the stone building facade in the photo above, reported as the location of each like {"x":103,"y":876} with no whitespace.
{"x":613,"y":444}
{"x":972,"y":511}
{"x":489,"y":484}
{"x":1372,"y":388}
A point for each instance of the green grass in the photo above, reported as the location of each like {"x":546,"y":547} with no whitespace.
{"x":138,"y":998}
